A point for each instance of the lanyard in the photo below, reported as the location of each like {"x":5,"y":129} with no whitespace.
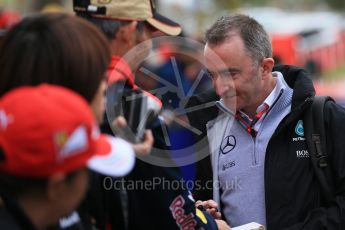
{"x":248,"y":123}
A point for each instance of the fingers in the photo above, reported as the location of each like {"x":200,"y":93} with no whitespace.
{"x":148,"y":139}
{"x":214,"y":213}
{"x":198,"y":203}
{"x":222,"y":225}
{"x":141,"y":149}
{"x":119,"y":122}
{"x":210,"y":206}
{"x":144,"y":148}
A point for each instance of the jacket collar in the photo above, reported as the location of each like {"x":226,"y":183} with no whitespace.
{"x":299,"y":80}
{"x":119,"y":70}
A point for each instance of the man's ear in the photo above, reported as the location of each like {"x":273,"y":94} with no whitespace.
{"x":267,"y":66}
{"x":127,"y":33}
{"x":55,"y":186}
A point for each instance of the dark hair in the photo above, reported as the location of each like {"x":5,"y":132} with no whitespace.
{"x":256,"y":40}
{"x":13,"y":186}
{"x":109,"y":27}
{"x":58,"y":49}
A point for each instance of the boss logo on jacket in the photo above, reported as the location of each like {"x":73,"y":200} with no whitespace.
{"x":299,"y":145}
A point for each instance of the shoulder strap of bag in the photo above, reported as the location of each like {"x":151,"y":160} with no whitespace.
{"x":316,"y":140}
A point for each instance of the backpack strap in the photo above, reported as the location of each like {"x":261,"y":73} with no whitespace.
{"x":316,"y":140}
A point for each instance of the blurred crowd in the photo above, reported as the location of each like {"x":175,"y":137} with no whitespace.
{"x":58,"y":65}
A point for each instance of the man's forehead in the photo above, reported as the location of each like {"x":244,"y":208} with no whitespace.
{"x":212,"y":61}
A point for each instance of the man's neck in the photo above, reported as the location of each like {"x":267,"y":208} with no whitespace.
{"x":118,"y":48}
{"x":267,"y":89}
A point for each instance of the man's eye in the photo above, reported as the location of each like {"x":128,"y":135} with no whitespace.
{"x":232,"y":73}
{"x":227,"y":74}
{"x":211,"y":75}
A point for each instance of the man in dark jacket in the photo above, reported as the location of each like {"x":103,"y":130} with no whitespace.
{"x":261,"y":165}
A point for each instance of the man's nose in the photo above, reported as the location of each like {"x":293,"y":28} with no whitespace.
{"x":224,"y":85}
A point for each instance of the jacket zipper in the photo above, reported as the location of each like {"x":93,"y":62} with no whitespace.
{"x":255,"y":161}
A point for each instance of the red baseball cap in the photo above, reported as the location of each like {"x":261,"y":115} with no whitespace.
{"x":47,"y":130}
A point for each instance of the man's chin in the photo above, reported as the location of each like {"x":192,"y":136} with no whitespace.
{"x":230,"y":102}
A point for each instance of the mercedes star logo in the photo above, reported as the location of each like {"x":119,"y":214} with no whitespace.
{"x":228,"y":144}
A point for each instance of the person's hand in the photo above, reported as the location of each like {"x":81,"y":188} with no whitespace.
{"x":141,"y":149}
{"x":119,"y":122}
{"x":144,"y":148}
{"x":222,"y":225}
{"x":211,"y":207}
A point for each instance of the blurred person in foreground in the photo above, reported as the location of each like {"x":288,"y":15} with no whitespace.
{"x":127,"y":24}
{"x":63,"y":50}
{"x":8,"y":19}
{"x":44,"y":158}
{"x":256,"y":136}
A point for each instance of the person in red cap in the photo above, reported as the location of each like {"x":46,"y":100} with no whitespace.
{"x":43,"y":159}
{"x":127,"y":24}
{"x":63,"y":50}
